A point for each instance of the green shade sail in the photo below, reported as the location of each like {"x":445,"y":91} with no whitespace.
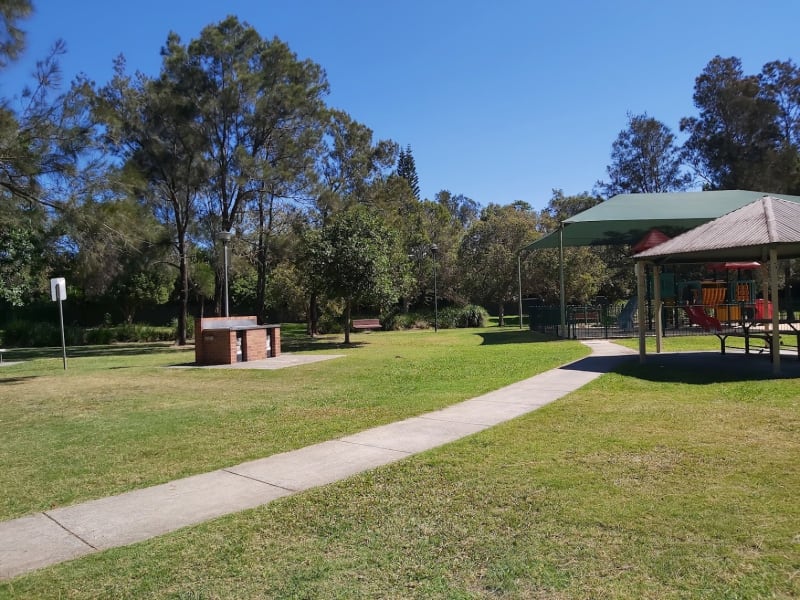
{"x":626,"y":218}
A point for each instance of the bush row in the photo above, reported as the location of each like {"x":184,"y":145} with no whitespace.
{"x":38,"y":334}
{"x":450,"y":317}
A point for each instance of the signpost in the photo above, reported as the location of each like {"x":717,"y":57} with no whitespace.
{"x":58,"y":292}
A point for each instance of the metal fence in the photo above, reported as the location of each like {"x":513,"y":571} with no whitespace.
{"x":621,"y":320}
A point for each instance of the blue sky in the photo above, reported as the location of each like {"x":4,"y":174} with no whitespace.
{"x":500,"y":101}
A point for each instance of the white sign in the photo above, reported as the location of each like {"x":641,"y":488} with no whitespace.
{"x":58,"y":288}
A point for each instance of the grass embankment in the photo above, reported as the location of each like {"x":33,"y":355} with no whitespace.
{"x":632,"y":487}
{"x":116,"y":419}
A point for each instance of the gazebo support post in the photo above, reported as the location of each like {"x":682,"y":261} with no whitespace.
{"x":657,"y":306}
{"x":776,"y":331}
{"x":641,"y":308}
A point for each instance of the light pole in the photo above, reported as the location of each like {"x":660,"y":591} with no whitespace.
{"x":225,"y":236}
{"x":519,"y":282}
{"x":434,"y":250}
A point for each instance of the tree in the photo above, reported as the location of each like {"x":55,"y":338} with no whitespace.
{"x":407,"y":169}
{"x":584,"y":269}
{"x":260,"y":108}
{"x":118,"y":251}
{"x":352,"y":257}
{"x":735,"y":142}
{"x":463,"y":211}
{"x":645,"y":159}
{"x":489,"y":253}
{"x":43,"y":137}
{"x":12,"y":38}
{"x":779,"y":83}
{"x":562,"y":207}
{"x":152,"y":124}
{"x":349,"y":164}
{"x":261,"y":114}
{"x":20,"y":263}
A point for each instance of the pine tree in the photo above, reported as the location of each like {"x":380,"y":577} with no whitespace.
{"x":408,"y":170}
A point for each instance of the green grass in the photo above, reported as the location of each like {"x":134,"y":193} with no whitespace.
{"x":631,"y":487}
{"x":117,"y":419}
{"x":686,"y":343}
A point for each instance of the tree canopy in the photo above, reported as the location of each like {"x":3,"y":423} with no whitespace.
{"x":645,"y":159}
{"x":124,"y":186}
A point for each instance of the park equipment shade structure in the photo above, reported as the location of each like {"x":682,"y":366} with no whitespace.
{"x":766,"y":229}
{"x":627,"y":218}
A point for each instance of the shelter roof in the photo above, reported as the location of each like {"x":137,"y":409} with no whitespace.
{"x":626,"y":218}
{"x":744,"y":234}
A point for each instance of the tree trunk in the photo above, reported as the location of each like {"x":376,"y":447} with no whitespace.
{"x":265,"y":218}
{"x":183,"y":290}
{"x":347,"y":322}
{"x":313,"y":316}
{"x":500,"y":316}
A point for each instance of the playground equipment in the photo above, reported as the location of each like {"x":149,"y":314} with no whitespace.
{"x":625,"y":319}
{"x":698,"y":316}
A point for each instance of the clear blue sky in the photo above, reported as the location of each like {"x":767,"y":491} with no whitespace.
{"x":500,"y":101}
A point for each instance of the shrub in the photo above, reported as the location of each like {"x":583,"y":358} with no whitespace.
{"x":450,"y":317}
{"x":472,"y":316}
{"x":23,"y":333}
{"x":38,"y":334}
{"x":189,"y":328}
{"x":99,"y":335}
{"x":136,"y":332}
{"x":397,"y":321}
{"x":329,"y":323}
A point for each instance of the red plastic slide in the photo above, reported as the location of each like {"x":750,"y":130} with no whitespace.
{"x":699,"y":317}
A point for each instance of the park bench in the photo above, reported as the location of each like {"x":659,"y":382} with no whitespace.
{"x":366,"y":324}
{"x":753,"y":331}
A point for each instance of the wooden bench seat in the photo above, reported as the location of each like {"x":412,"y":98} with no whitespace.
{"x":366,"y":324}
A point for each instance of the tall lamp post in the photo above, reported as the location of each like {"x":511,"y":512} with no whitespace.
{"x":434,"y":250}
{"x":225,"y":236}
{"x":519,"y":282}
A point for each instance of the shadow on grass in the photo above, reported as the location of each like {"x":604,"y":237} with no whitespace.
{"x":704,"y":368}
{"x":300,"y":341}
{"x":132,"y":349}
{"x":309,"y":345}
{"x":514,"y":336}
{"x":600,"y":364}
{"x":10,"y":380}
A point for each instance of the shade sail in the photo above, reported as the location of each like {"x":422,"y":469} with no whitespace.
{"x":626,"y":218}
{"x":748,"y":233}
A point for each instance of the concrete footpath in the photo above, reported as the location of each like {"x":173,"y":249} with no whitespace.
{"x":61,"y":534}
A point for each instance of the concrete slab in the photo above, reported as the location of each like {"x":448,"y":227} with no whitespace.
{"x":316,"y":465}
{"x":413,"y":435}
{"x":269,"y":364}
{"x":531,"y":397}
{"x":480,"y":412}
{"x":36,"y":541}
{"x":142,"y":514}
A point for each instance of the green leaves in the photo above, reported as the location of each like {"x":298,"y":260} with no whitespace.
{"x":352,"y":257}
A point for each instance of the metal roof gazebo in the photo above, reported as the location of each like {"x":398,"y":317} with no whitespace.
{"x":767,"y":228}
{"x":626,"y":218}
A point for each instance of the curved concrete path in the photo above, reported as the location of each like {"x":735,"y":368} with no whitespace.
{"x":61,"y":534}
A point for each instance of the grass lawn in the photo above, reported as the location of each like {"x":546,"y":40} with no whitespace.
{"x":117,"y":419}
{"x":631,"y":487}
